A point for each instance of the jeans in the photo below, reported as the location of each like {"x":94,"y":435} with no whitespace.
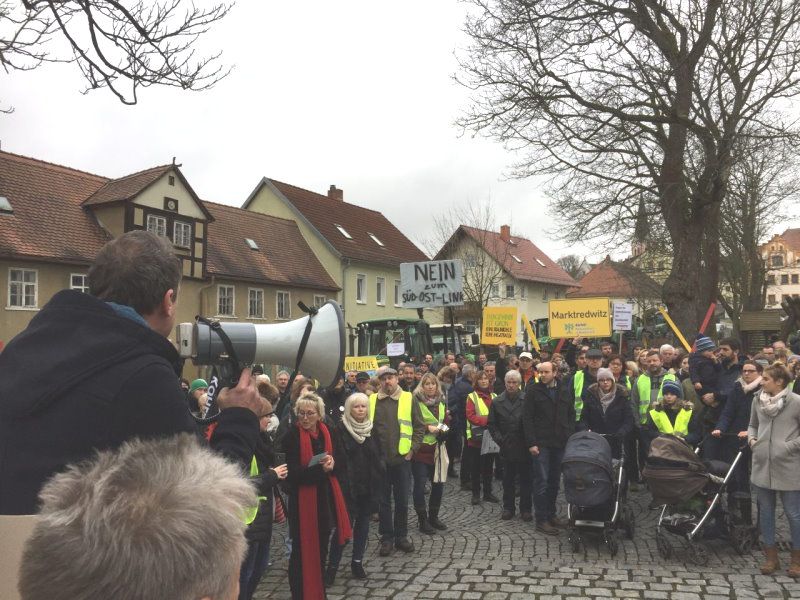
{"x":546,"y":480}
{"x":512,"y":468}
{"x":253,"y":567}
{"x":360,"y":520}
{"x":398,"y":478}
{"x":767,"y":499}
{"x":423,"y":472}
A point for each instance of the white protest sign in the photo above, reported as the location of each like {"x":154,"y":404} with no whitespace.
{"x":395,"y":349}
{"x":431,"y":284}
{"x":622,"y":316}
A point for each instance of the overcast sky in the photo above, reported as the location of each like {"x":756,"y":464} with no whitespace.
{"x":357,"y":94}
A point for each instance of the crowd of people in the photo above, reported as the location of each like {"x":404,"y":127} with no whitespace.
{"x":331,"y":461}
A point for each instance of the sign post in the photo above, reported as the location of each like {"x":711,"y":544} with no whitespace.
{"x":581,"y":317}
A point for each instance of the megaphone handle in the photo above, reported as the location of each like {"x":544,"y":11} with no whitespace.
{"x":226,"y":374}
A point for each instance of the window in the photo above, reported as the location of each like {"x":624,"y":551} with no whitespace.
{"x":558,"y":294}
{"x":770,"y":279}
{"x":225,"y":300}
{"x":361,"y":288}
{"x":380,"y":291}
{"x":182,"y":234}
{"x":77,"y":281}
{"x":319,"y":301}
{"x":171,"y":179}
{"x":541,"y":264}
{"x":22,"y":288}
{"x":471,"y":325}
{"x":494,"y":291}
{"x":544,"y":293}
{"x":777,"y":260}
{"x":786,"y":296}
{"x":397,"y":301}
{"x":251,"y":244}
{"x":510,"y":291}
{"x":795,"y":278}
{"x":470,"y":261}
{"x":784,"y":279}
{"x":771,"y":299}
{"x":523,"y":293}
{"x":516,"y":258}
{"x":376,"y":240}
{"x":255,"y":304}
{"x":157,"y":225}
{"x":343,"y":231}
{"x":284,"y":305}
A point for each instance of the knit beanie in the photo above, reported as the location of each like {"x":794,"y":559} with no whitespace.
{"x":197,"y":384}
{"x":672,"y":387}
{"x":703,"y":343}
{"x":604,"y":373}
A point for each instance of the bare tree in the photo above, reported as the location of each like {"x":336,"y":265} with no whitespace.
{"x":572,"y":264}
{"x":631,"y":102}
{"x":469,"y":233}
{"x":762,"y":180}
{"x":118,"y":45}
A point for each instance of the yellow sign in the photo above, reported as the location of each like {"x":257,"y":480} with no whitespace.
{"x":579,"y":317}
{"x":361,"y":363}
{"x":531,"y":333}
{"x":499,"y":325}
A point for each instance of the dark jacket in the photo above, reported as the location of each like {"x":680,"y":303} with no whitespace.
{"x":548,"y":416}
{"x":260,"y":530}
{"x":704,"y":421}
{"x":505,"y":425}
{"x":334,"y":402}
{"x":704,"y":371}
{"x":617,"y":418}
{"x":735,"y":415}
{"x":82,"y":377}
{"x":361,"y":471}
{"x":457,"y":397}
{"x":728,"y":376}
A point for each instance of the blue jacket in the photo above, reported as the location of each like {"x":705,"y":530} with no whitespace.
{"x":704,"y":371}
{"x":728,"y":377}
{"x":735,"y":416}
{"x":457,"y":397}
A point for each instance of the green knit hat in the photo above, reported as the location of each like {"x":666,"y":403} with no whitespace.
{"x":197,"y":384}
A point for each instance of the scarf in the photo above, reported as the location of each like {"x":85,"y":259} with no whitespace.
{"x":749,"y":387}
{"x":359,"y":431}
{"x":309,"y":517}
{"x":606,"y":399}
{"x":772,"y":405}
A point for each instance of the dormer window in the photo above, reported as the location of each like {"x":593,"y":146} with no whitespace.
{"x":251,"y":243}
{"x":343,"y":231}
{"x":5,"y":206}
{"x":540,"y":263}
{"x":376,"y":240}
{"x":516,"y":258}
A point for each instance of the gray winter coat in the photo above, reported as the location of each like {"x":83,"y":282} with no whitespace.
{"x":776,"y":452}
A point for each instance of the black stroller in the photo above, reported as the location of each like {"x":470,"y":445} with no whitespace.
{"x":694,"y":497}
{"x":595,"y":487}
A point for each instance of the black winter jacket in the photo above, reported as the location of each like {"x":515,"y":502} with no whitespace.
{"x":260,"y":530}
{"x":82,"y":377}
{"x":735,"y":416}
{"x":361,"y":471}
{"x":548,"y":416}
{"x":617,"y":419}
{"x":505,"y":425}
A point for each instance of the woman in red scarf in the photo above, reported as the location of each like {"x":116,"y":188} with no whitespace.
{"x":477,"y":409}
{"x":316,"y":503}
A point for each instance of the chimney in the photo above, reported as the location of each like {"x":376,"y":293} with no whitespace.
{"x":335,"y":193}
{"x":505,"y":233}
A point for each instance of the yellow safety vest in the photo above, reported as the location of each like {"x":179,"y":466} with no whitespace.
{"x":480,"y":408}
{"x":427,"y":416}
{"x":250,"y":513}
{"x":681,"y":427}
{"x":644,"y":386}
{"x":403,"y":419}
{"x":577,"y":388}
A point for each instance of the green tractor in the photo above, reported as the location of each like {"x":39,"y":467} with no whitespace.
{"x":401,"y":338}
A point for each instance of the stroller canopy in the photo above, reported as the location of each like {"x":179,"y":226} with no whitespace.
{"x":673,"y":471}
{"x":589,"y":447}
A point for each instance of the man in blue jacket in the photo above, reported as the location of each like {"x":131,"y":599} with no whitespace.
{"x":112,"y":374}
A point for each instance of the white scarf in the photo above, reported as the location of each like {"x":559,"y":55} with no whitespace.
{"x":359,"y":431}
{"x":772,"y":405}
{"x":749,"y":387}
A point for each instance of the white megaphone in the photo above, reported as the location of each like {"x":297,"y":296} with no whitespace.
{"x":277,"y":344}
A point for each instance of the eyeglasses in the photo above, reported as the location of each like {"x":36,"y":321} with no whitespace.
{"x":306,"y":414}
{"x":749,"y":371}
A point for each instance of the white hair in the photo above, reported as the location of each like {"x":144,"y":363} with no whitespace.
{"x":666,"y":348}
{"x":513,"y":375}
{"x":312,"y":399}
{"x":263,"y":378}
{"x":154,"y":519}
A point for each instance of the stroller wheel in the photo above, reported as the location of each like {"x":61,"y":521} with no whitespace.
{"x":574,"y":540}
{"x":697,"y":554}
{"x":629,"y":523}
{"x":612,"y":543}
{"x":663,"y":545}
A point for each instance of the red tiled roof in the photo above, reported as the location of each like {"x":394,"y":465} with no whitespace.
{"x":616,"y":280}
{"x":325,"y":214}
{"x":126,"y":187}
{"x":533,"y":265}
{"x":283,"y":256}
{"x":48,"y":221}
{"x":792,"y":239}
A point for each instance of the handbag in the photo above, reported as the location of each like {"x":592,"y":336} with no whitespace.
{"x":488,"y":445}
{"x":441,"y":462}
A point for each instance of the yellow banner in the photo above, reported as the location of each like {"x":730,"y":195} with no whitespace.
{"x":579,"y":317}
{"x":361,"y":363}
{"x":531,"y":333}
{"x":499,"y":325}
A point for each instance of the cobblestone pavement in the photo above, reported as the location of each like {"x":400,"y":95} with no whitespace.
{"x":481,"y":556}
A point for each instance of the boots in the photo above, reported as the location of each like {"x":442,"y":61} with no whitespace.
{"x":424,"y":525}
{"x":487,"y":490}
{"x":330,"y":575}
{"x":433,"y":518}
{"x":772,"y":563}
{"x":794,"y":568}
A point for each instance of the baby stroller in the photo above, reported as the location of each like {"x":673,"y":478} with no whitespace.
{"x":596,"y":490}
{"x":693,"y":494}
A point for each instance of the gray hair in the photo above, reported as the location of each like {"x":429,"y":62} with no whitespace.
{"x":312,"y":399}
{"x":136,"y":523}
{"x":489,"y":363}
{"x":666,"y":347}
{"x":284,"y":372}
{"x":467,"y":370}
{"x":513,"y":375}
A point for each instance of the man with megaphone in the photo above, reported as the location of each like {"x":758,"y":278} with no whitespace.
{"x":112,"y":374}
